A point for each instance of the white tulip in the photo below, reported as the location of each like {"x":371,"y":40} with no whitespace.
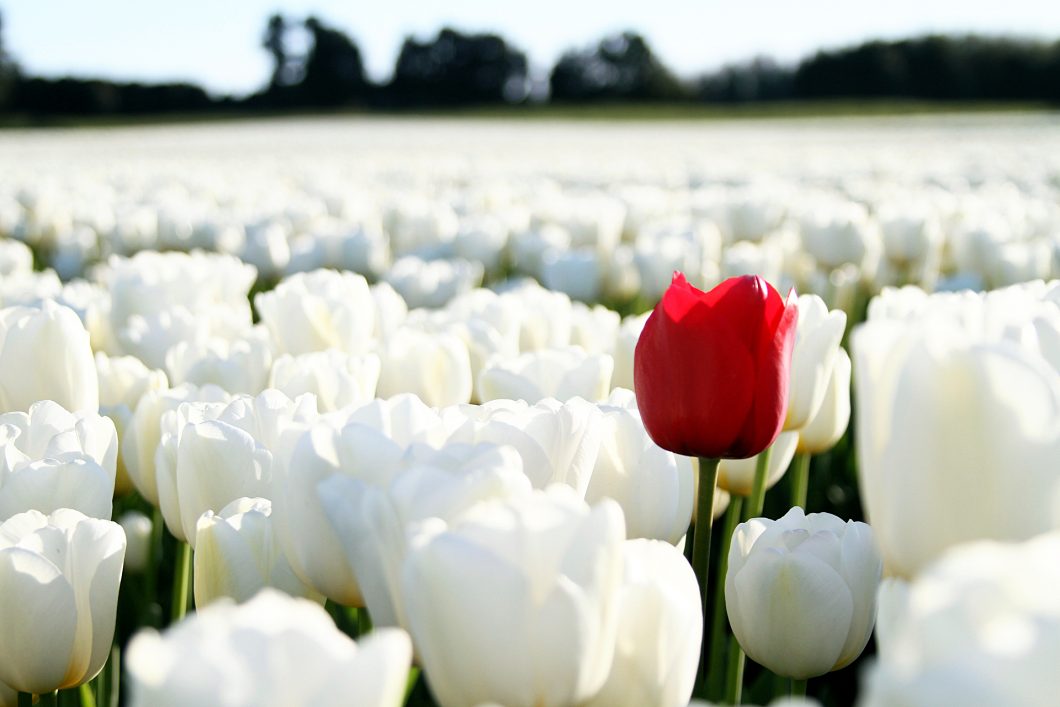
{"x":368,"y":447}
{"x":337,"y":379}
{"x":559,"y":442}
{"x":212,"y":455}
{"x":319,"y":310}
{"x":123,"y":380}
{"x":801,"y":591}
{"x":625,"y":345}
{"x":371,"y":519}
{"x":433,"y":283}
{"x":545,"y":317}
{"x":654,"y":487}
{"x":827,"y":427}
{"x":738,"y":475}
{"x":816,"y":347}
{"x":60,"y":575}
{"x":237,"y":555}
{"x":576,"y":272}
{"x":594,"y":328}
{"x":948,"y":395}
{"x":137,"y":528}
{"x":435,"y":367}
{"x":45,"y":354}
{"x":548,"y":373}
{"x":52,"y":459}
{"x":273,"y":651}
{"x":978,"y":627}
{"x":144,"y":433}
{"x":660,"y":629}
{"x":238,"y":365}
{"x":532,"y":595}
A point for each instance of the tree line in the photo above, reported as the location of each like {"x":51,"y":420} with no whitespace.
{"x":457,"y":69}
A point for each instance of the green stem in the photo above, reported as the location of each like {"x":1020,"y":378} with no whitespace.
{"x":25,"y":699}
{"x":757,"y":499}
{"x":708,"y":481}
{"x":798,"y":688}
{"x":88,"y":698}
{"x":800,"y":480}
{"x":181,"y":583}
{"x":48,"y":699}
{"x":719,"y":621}
{"x":114,"y":683}
{"x":734,"y":676}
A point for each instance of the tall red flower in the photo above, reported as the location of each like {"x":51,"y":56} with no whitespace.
{"x":711,"y":368}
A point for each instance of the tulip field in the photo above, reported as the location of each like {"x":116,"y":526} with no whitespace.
{"x":353,"y":411}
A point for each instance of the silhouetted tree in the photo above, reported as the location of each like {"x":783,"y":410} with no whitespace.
{"x":619,"y":68}
{"x":761,"y":79}
{"x":8,"y":71}
{"x":275,"y":42}
{"x":458,"y":69}
{"x":334,"y":72}
{"x":935,"y":67}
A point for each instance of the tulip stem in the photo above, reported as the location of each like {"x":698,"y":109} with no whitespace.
{"x":757,"y":499}
{"x":734,"y":677}
{"x":181,"y":582}
{"x":798,"y":688}
{"x":708,"y":481}
{"x":719,"y":621}
{"x":25,"y":699}
{"x":88,"y":698}
{"x":800,"y":480}
{"x":48,"y":699}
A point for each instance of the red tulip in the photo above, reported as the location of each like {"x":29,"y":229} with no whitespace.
{"x":711,"y":368}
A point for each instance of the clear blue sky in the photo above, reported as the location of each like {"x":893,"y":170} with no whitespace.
{"x":217,"y":42}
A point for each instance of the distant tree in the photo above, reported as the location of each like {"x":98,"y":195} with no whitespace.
{"x":8,"y":71}
{"x":937,"y":68}
{"x":458,"y":69}
{"x":333,"y":71}
{"x":761,"y":79}
{"x":622,"y":67}
{"x":275,"y":42}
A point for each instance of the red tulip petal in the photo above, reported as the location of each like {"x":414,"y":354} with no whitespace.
{"x":766,"y":419}
{"x":693,"y":375}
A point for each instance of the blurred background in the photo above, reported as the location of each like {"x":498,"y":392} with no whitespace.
{"x":67,"y":60}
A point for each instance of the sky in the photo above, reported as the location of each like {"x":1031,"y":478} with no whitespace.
{"x":217,"y":43}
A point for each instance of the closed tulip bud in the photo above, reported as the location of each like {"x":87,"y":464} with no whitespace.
{"x":531,"y":590}
{"x":801,"y":591}
{"x":45,"y":355}
{"x":60,"y":576}
{"x":654,"y":487}
{"x":52,"y":459}
{"x":273,"y":651}
{"x":660,"y":629}
{"x":222,"y":454}
{"x":737,"y":476}
{"x":711,"y":368}
{"x":137,"y":529}
{"x":237,"y":555}
{"x":826,"y":427}
{"x":957,"y":393}
{"x":816,"y":347}
{"x":548,"y":373}
{"x":371,"y":519}
{"x":144,"y":432}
